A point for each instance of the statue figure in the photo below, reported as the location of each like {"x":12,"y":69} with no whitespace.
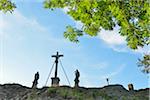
{"x":35,"y":82}
{"x":77,"y":75}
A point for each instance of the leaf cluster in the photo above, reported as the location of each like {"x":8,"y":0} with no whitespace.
{"x":72,"y":34}
{"x":7,"y":6}
{"x":144,"y":63}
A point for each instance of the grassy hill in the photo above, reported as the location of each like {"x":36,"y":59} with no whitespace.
{"x":111,"y":92}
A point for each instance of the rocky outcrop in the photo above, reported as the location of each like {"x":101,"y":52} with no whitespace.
{"x":111,"y":92}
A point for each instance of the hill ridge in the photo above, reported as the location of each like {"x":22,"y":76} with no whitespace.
{"x":110,"y":92}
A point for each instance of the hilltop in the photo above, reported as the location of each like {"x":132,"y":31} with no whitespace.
{"x":111,"y":92}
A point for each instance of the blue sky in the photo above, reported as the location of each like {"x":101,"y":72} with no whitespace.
{"x":30,"y":35}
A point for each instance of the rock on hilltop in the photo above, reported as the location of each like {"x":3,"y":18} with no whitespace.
{"x":111,"y":92}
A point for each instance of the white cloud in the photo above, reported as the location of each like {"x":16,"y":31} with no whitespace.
{"x":113,"y":40}
{"x":19,"y":26}
{"x":120,"y":48}
{"x":16,"y":19}
{"x":118,"y":43}
{"x":111,"y":37}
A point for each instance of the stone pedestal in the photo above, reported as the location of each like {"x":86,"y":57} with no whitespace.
{"x":76,"y":85}
{"x":130,"y":87}
{"x":55,"y":81}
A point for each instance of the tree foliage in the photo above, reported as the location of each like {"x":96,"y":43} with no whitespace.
{"x":7,"y":6}
{"x":131,"y":15}
{"x":144,"y":63}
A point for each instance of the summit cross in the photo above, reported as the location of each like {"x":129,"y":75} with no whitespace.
{"x":57,"y":56}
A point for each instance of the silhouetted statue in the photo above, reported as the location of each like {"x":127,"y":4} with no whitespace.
{"x":77,"y":75}
{"x":35,"y":82}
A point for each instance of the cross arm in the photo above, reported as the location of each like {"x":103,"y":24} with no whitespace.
{"x":61,"y":55}
{"x":54,"y":56}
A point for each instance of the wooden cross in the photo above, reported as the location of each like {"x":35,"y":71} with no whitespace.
{"x":56,"y":61}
